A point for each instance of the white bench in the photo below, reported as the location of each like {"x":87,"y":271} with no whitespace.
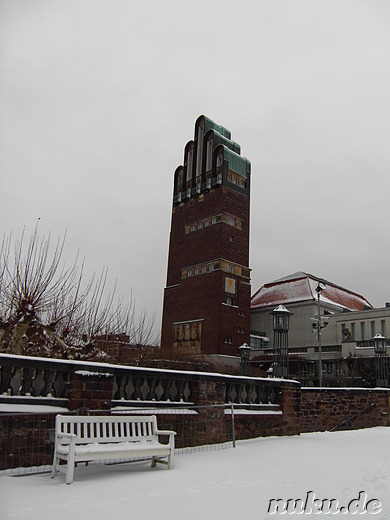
{"x":87,"y":438}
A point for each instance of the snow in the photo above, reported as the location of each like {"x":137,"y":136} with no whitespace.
{"x":87,"y":373}
{"x":30,"y":408}
{"x":230,"y":484}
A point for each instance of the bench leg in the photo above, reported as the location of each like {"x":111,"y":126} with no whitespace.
{"x":170,"y":461}
{"x":69,"y":472}
{"x":154,"y":462}
{"x":56,"y":461}
{"x":70,"y":463}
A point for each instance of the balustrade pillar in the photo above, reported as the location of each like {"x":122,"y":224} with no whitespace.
{"x":89,"y":391}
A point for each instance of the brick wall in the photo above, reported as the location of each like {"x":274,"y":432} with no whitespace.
{"x":327,"y":408}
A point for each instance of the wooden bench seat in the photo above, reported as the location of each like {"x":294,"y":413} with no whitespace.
{"x":89,"y":438}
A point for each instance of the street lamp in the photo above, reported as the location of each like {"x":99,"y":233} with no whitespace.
{"x":319,"y":325}
{"x":381,"y":371}
{"x":245,"y":354}
{"x":281,"y":317}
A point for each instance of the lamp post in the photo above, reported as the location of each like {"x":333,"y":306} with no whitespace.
{"x":381,"y":371}
{"x":245,"y":354}
{"x":281,"y":317}
{"x":319,"y":325}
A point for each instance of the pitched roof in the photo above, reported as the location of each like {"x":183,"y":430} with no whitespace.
{"x":300,"y":287}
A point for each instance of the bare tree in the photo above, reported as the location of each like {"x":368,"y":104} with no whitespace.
{"x":50,"y":309}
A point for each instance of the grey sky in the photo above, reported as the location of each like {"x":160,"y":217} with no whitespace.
{"x":99,"y":97}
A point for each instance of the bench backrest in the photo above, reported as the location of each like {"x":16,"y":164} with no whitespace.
{"x":107,"y":428}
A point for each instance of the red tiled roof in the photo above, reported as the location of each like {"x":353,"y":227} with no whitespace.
{"x":300,"y":287}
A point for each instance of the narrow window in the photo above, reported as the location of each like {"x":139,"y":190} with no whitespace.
{"x":209,"y":154}
{"x":189,"y":166}
{"x":219,"y":160}
{"x":372,"y":324}
{"x":383,"y":327}
{"x":353,"y":331}
{"x":362,"y":330}
{"x":199,"y":153}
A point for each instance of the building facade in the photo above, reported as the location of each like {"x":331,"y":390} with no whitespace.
{"x":349,"y":324}
{"x":207,"y":295}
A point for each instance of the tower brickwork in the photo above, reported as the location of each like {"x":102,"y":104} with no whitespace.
{"x":207,"y":296}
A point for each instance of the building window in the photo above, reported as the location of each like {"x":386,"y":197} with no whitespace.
{"x":196,"y":271}
{"x":362,"y":330}
{"x":204,"y":268}
{"x":372,"y":323}
{"x":383,"y":328}
{"x":229,"y":300}
{"x":211,"y":267}
{"x":189,"y":166}
{"x":214,"y":220}
{"x":200,"y":225}
{"x":189,"y":272}
{"x":207,"y":223}
{"x":193,"y":228}
{"x":209,"y":154}
{"x":353,"y":331}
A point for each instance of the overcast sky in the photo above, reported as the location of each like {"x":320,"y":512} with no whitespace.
{"x":99,"y":97}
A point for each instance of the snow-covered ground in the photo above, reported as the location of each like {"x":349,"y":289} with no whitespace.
{"x":227,"y":484}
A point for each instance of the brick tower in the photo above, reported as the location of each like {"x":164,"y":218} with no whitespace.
{"x":207,"y":296}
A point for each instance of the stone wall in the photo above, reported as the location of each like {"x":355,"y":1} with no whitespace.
{"x":250,"y":424}
{"x":343,"y":408}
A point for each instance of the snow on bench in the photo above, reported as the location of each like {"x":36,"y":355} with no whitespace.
{"x":89,"y":438}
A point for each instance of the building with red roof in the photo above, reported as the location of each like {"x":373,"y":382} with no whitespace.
{"x":350,"y":322}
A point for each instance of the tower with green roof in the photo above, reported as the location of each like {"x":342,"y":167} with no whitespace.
{"x":207,"y":295}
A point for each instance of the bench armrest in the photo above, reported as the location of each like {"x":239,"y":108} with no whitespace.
{"x":171,"y":437}
{"x":165,"y":432}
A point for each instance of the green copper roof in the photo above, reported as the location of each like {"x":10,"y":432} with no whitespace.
{"x":209,"y":124}
{"x":220,"y":139}
{"x":236,"y":162}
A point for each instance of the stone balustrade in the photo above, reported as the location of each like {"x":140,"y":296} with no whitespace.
{"x":53,"y":381}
